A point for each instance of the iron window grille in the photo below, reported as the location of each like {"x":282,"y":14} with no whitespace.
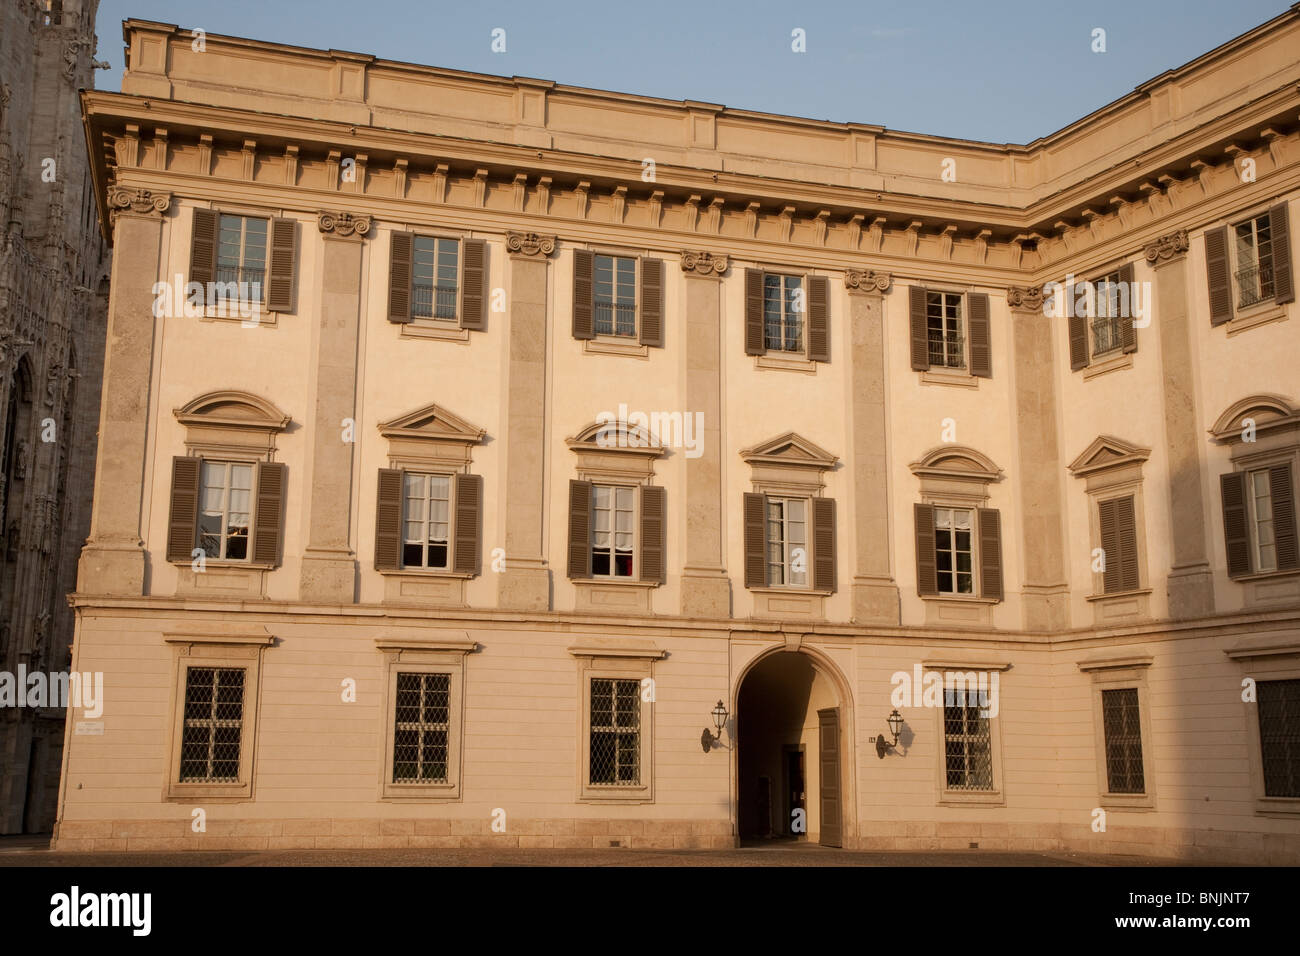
{"x":968,"y":748}
{"x":422,"y":725}
{"x":954,"y":550}
{"x":613,"y":508}
{"x":947,"y":344}
{"x":1254,"y":245}
{"x":427,"y":521}
{"x":615,"y":296}
{"x":787,"y":542}
{"x":434,"y":272}
{"x":213,"y":725}
{"x":225,"y":495}
{"x":1107,"y":324}
{"x":241,"y":259}
{"x":783,"y":311}
{"x":1122,"y":728}
{"x":1279,"y":736}
{"x":615,"y":757}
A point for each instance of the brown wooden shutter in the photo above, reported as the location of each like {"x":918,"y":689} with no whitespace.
{"x":977,"y":325}
{"x":755,"y":518}
{"x":823,"y":513}
{"x":1128,"y":332}
{"x":269,"y":519}
{"x":927,"y":567}
{"x":473,"y":285}
{"x":654,"y":528}
{"x":819,"y":327}
{"x":1282,"y":493}
{"x":203,"y":250}
{"x":652,"y":301}
{"x":1078,"y":325}
{"x":400,"y":267}
{"x":1279,"y":229}
{"x":1236,"y":537}
{"x":284,"y":259}
{"x":579,"y":529}
{"x":920,"y":336}
{"x":182,"y":526}
{"x":754,"y":342}
{"x":1109,"y":525}
{"x":466,"y":555}
{"x":388,"y":521}
{"x":1216,"y":269}
{"x":1126,"y":531}
{"x":583,"y":294}
{"x":990,"y":531}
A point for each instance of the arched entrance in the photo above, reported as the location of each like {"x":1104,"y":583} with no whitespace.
{"x":792,"y":751}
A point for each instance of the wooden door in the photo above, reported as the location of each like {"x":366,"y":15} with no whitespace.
{"x":829,"y":758}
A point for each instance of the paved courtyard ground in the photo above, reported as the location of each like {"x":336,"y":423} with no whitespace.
{"x":31,"y":851}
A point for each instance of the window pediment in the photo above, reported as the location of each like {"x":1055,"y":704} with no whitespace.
{"x":958,"y":462}
{"x":616,"y":450}
{"x":789,"y":464}
{"x":430,"y":436}
{"x":1108,"y":453}
{"x":231,"y":422}
{"x":1273,"y":416}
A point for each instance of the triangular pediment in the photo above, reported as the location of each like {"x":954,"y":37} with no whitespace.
{"x":1107,"y":451}
{"x":432,"y":422}
{"x":792,"y":449}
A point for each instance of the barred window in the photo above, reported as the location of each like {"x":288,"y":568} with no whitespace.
{"x":783,"y":309}
{"x":214,"y":724}
{"x":615,"y":732}
{"x":968,"y":750}
{"x":1112,"y":305}
{"x":434,"y":270}
{"x":427,"y":520}
{"x":1279,"y":736}
{"x":241,"y":256}
{"x":1123,"y":733}
{"x":615,"y":298}
{"x":422,"y":723}
{"x":944,"y":329}
{"x":225,"y":491}
{"x":787,"y":542}
{"x":1254,"y":251}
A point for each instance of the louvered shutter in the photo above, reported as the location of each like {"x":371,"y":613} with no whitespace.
{"x":268,"y":521}
{"x":1236,"y":536}
{"x":284,"y":259}
{"x":473,"y":285}
{"x":917,"y":325}
{"x":583,"y":294}
{"x":1078,"y":325}
{"x":182,"y":524}
{"x":1126,"y":530}
{"x":823,"y":510}
{"x":754,"y":343}
{"x":819,"y":330}
{"x":468,"y":495}
{"x":1216,"y":270}
{"x":1282,"y":495}
{"x":1109,"y":526}
{"x":388,"y":521}
{"x":981,"y":345}
{"x":1128,"y":331}
{"x":400,"y":267}
{"x":654,"y":526}
{"x":203,"y":248}
{"x":990,"y":531}
{"x":579,"y":529}
{"x":927,"y":571}
{"x":651,"y":273}
{"x":1279,"y":229}
{"x":755,"y":518}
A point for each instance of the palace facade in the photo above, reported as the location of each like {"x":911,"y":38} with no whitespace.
{"x":488,"y":461}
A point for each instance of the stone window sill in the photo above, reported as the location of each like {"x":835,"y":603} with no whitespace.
{"x":1267,"y":575}
{"x":420,"y":792}
{"x":1113,"y":363}
{"x":615,"y":345}
{"x":428,"y":573}
{"x":1262,"y":314}
{"x":961,"y":599}
{"x":784,"y":592}
{"x":1127,"y":801}
{"x":639,"y":794}
{"x":1277,"y":806}
{"x":1119,"y":595}
{"x":962,"y":798}
{"x":262,"y":317}
{"x":432,"y":329}
{"x":958,"y":378}
{"x":227,"y":565}
{"x":786,"y":363}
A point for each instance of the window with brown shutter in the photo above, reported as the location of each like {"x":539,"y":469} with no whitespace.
{"x":653,"y":537}
{"x":1280,"y":229}
{"x":920,"y":341}
{"x":203,"y":248}
{"x":1117,"y":523}
{"x":1127,"y":330}
{"x":1259,"y":521}
{"x":399,"y":277}
{"x":927,"y":574}
{"x":1232,"y":487}
{"x":754,"y":344}
{"x":990,"y":532}
{"x":268,"y":521}
{"x":651,"y":306}
{"x":1078,"y":325}
{"x":819,"y":334}
{"x":182,"y":525}
{"x":388,"y":520}
{"x":755,"y":521}
{"x":467,"y":550}
{"x":579,"y":529}
{"x":473,"y":284}
{"x":280,"y":286}
{"x":823,"y":514}
{"x":1216,"y":271}
{"x":978,"y":332}
{"x":583,"y":296}
{"x":1282,"y":500}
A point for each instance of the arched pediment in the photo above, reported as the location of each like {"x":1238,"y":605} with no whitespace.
{"x":432,"y":422}
{"x":616,"y":435}
{"x":1107,"y":451}
{"x":1268,"y":412}
{"x":956,"y":461}
{"x":234,"y":409}
{"x":789,"y":449}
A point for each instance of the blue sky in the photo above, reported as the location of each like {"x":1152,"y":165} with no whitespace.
{"x":1002,"y":71}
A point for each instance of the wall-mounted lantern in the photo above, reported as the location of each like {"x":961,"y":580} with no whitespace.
{"x":895,"y":722}
{"x":708,"y":738}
